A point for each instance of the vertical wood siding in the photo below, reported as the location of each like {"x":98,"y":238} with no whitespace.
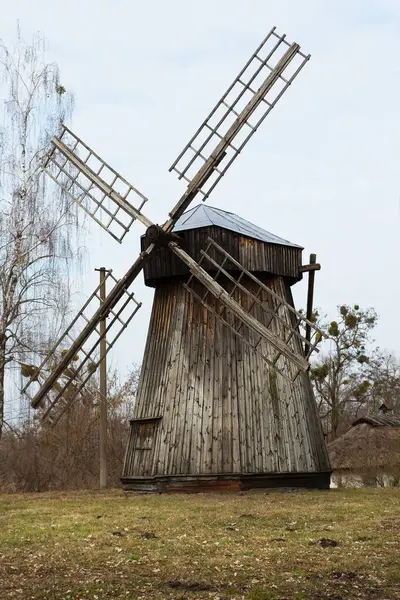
{"x":223,"y":408}
{"x":254,"y":255}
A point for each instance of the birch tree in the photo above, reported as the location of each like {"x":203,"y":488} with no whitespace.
{"x":36,"y":220}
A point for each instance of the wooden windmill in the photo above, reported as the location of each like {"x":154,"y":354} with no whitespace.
{"x":224,"y":398}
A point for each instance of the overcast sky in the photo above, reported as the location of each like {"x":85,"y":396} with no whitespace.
{"x":322,"y":171}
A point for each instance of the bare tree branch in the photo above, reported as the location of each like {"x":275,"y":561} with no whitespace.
{"x":36,"y":221}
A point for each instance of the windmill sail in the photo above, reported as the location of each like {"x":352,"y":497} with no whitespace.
{"x":282,"y":333}
{"x":56,"y":384}
{"x":95,"y":186}
{"x":227,"y":129}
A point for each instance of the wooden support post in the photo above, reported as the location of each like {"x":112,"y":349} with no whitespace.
{"x":310,"y":301}
{"x":103,"y":388}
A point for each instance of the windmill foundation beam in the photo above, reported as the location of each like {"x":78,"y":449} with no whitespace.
{"x":226,"y":482}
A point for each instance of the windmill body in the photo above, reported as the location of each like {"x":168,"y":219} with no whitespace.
{"x":211,"y":413}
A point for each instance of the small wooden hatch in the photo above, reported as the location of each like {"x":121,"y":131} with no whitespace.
{"x":143,"y":432}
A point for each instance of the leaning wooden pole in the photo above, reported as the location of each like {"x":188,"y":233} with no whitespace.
{"x":310,"y":300}
{"x":103,"y":388}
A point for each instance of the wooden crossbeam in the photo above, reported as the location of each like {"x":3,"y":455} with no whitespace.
{"x":310,"y":267}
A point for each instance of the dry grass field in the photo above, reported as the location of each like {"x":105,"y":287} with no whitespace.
{"x":342,"y":544}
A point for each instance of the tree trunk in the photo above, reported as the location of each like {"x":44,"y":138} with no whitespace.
{"x":334,"y":420}
{"x":335,"y":394}
{"x":2,"y":378}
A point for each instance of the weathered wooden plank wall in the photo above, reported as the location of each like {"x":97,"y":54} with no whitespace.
{"x":223,"y":409}
{"x":254,"y":255}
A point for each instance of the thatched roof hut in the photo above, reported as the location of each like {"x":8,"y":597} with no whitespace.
{"x":370,"y":448}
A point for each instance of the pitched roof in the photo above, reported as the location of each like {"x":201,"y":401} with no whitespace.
{"x":364,"y":447}
{"x":203,"y":215}
{"x":379,"y":420}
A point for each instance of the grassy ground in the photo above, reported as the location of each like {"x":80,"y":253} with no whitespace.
{"x":341,"y":544}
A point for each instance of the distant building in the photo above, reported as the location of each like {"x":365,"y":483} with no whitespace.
{"x":369,"y":453}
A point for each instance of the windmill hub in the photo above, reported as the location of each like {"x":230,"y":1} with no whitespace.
{"x":156,"y":235}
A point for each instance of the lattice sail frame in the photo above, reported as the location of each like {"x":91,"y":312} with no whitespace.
{"x":71,"y":384}
{"x":281,"y":338}
{"x":93,"y":184}
{"x":251,"y":95}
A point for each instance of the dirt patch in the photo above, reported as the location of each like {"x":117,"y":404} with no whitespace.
{"x":192,"y":586}
{"x":326,"y":543}
{"x":149,"y":535}
{"x":344,"y":575}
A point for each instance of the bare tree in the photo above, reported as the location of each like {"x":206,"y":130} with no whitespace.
{"x":341,"y":377}
{"x":35,"y":457}
{"x":384,"y":376}
{"x":36,"y":220}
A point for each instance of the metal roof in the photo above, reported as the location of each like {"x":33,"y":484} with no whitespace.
{"x":203,"y":215}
